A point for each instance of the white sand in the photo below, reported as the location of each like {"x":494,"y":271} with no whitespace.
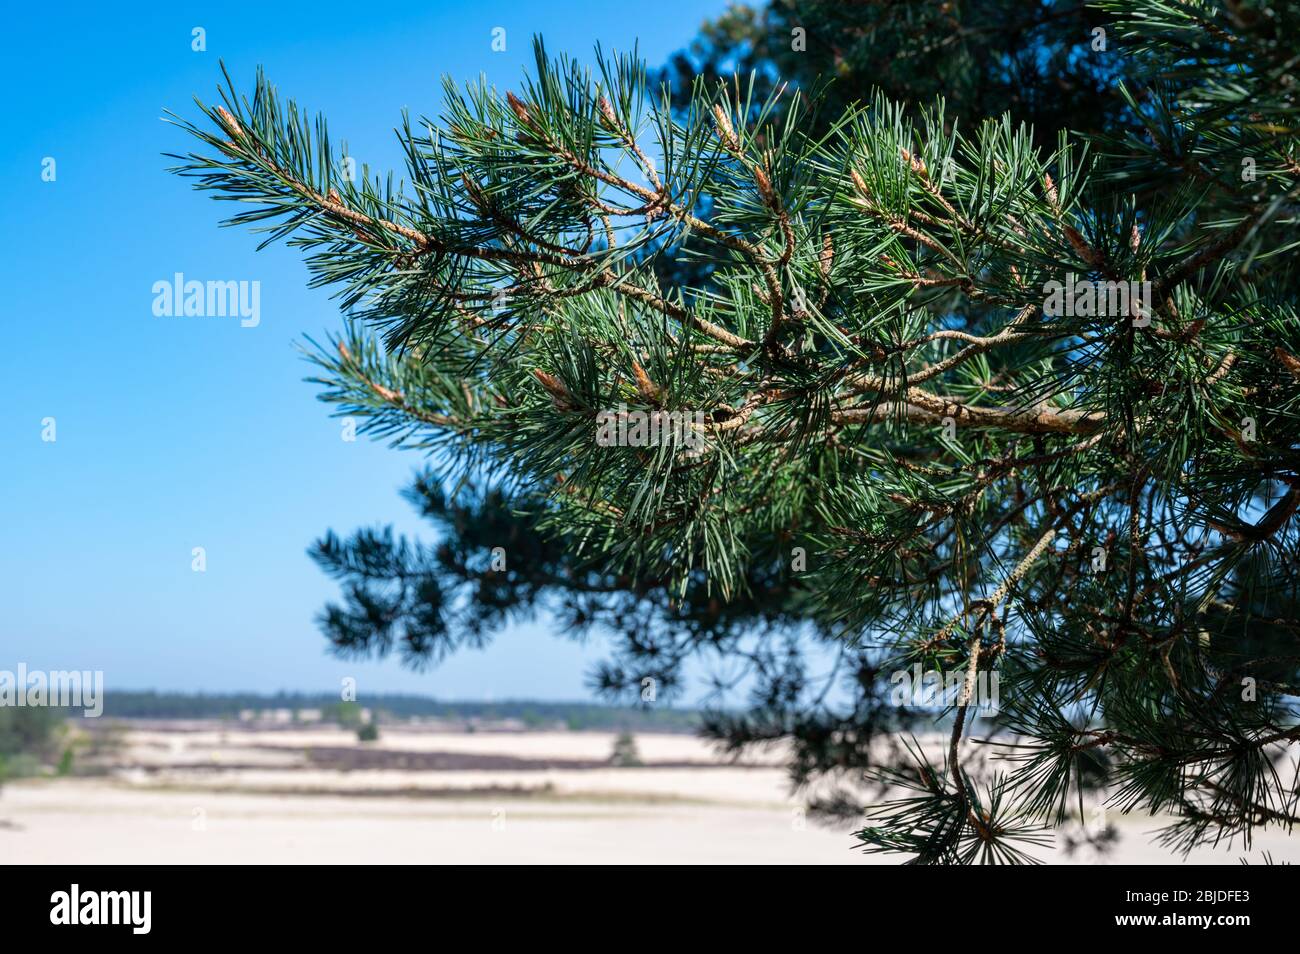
{"x":167,"y":810}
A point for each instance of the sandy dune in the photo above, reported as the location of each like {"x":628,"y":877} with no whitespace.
{"x":204,"y":795}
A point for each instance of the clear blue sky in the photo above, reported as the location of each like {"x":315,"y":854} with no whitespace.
{"x":177,"y":433}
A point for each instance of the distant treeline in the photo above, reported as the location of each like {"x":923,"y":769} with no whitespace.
{"x":573,"y":715}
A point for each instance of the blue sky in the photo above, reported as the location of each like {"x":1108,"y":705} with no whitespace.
{"x":174,"y":433}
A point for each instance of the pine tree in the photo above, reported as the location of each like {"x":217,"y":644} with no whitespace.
{"x":625,"y":753}
{"x":947,"y":400}
{"x":1034,"y":61}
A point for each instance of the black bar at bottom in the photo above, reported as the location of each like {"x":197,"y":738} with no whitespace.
{"x":339,"y":902}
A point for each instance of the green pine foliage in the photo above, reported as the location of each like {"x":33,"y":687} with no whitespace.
{"x":1033,"y":61}
{"x":898,"y":446}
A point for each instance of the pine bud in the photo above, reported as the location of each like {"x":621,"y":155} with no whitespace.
{"x":725,"y":131}
{"x":559,"y":393}
{"x":230,"y":122}
{"x":917,"y":164}
{"x":648,"y":389}
{"x":1080,"y":245}
{"x":607,"y":111}
{"x":860,"y":184}
{"x":765,"y":187}
{"x":1288,"y":361}
{"x":827,"y":256}
{"x":520,"y":110}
